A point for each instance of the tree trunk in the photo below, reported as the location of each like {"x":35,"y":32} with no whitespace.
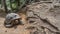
{"x":18,"y":3}
{"x":4,"y":5}
{"x":11,"y":4}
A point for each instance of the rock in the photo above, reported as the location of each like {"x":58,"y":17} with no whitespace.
{"x":45,"y":15}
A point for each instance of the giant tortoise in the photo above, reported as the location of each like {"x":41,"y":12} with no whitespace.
{"x":12,"y":19}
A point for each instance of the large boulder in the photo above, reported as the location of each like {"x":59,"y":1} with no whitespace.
{"x":45,"y":15}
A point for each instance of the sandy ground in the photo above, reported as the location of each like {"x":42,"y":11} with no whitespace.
{"x":19,"y":30}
